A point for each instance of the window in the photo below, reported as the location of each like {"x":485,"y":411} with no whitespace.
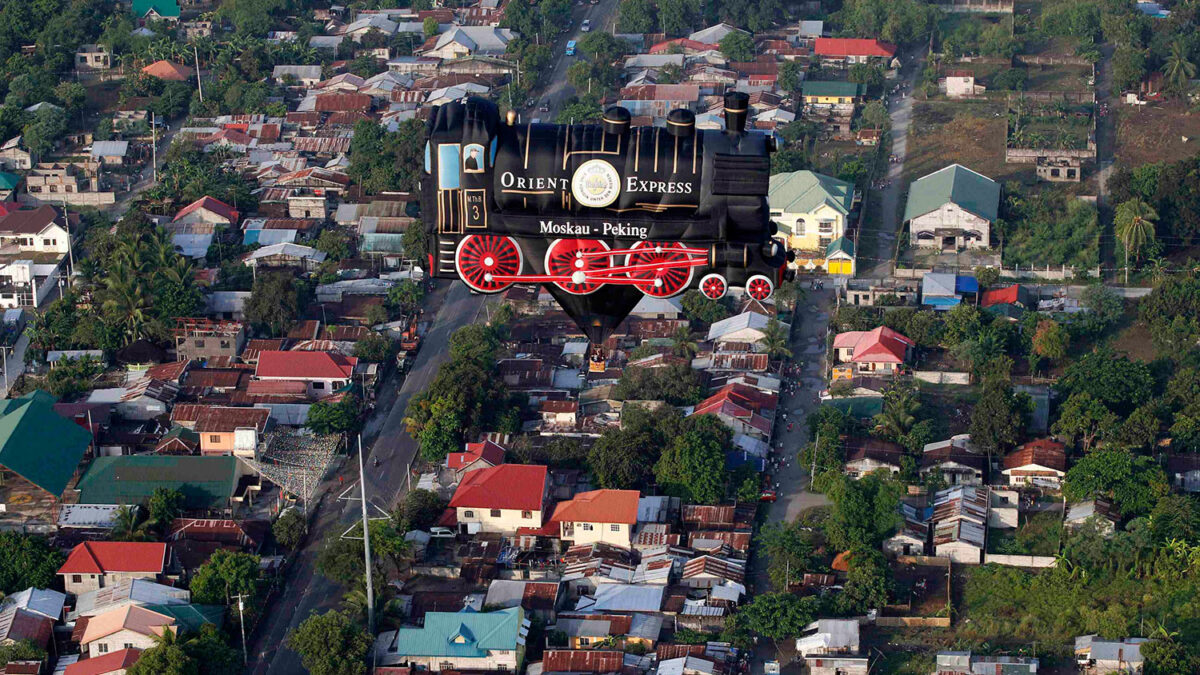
{"x":47,"y":242}
{"x":214,"y":438}
{"x":318,"y":385}
{"x":614,"y":527}
{"x":128,"y":645}
{"x":495,"y":513}
{"x":825,"y":227}
{"x":199,"y":344}
{"x":586,"y":527}
{"x":583,"y":642}
{"x":102,"y":648}
{"x":468,"y":514}
{"x":798,"y":228}
{"x":527,"y":514}
{"x":77,"y":578}
{"x":224,"y":344}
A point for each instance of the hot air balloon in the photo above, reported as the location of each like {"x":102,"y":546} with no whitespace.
{"x":600,"y":214}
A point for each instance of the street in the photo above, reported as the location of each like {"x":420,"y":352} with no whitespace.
{"x":557,"y":89}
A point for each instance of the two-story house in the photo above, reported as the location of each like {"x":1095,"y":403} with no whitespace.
{"x":952,"y":208}
{"x":207,"y":340}
{"x":459,"y":641}
{"x":830,"y":93}
{"x":130,"y":627}
{"x":93,"y":57}
{"x":98,"y":564}
{"x":845,"y":52}
{"x":812,"y":211}
{"x":501,"y":499}
{"x":607,"y":516}
{"x":39,"y":230}
{"x":224,"y":430}
{"x":322,"y":372}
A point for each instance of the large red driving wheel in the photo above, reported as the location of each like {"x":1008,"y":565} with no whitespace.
{"x":481,"y":257}
{"x":714,"y":286}
{"x":759,"y":287}
{"x":566,"y":256}
{"x":669,"y":274}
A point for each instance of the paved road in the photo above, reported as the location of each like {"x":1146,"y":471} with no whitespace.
{"x":145,"y":179}
{"x":603,"y":16}
{"x":305,"y":591}
{"x":888,"y":228}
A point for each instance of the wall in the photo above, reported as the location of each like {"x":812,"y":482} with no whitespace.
{"x":1030,"y":155}
{"x":913,"y":621}
{"x":938,"y":377}
{"x":949,"y":216}
{"x":601,"y":532}
{"x":117,"y":642}
{"x":926,"y":560}
{"x":507,"y":522}
{"x":1047,"y":273}
{"x":1037,"y":561}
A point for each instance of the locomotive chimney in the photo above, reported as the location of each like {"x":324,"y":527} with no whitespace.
{"x":511,"y":117}
{"x":736,"y":105}
{"x":616,"y":120}
{"x":681,"y":123}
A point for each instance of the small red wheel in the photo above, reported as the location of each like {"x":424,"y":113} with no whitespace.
{"x":566,"y":256}
{"x":481,"y":257}
{"x":713,"y":286}
{"x":759,"y":287}
{"x":670,"y":274}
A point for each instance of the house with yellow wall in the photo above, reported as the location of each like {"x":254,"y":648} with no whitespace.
{"x":812,"y":211}
{"x":816,"y":92}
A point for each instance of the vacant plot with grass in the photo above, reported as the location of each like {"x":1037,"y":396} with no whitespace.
{"x":1165,"y":132}
{"x":971,"y":134}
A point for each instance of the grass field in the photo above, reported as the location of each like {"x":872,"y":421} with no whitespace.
{"x":1156,"y":133}
{"x":1058,"y":78}
{"x":971,"y":134}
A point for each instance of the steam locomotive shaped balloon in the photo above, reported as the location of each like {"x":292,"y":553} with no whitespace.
{"x":602,"y":214}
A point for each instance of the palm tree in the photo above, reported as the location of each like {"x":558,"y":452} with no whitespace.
{"x":775,"y":340}
{"x":1134,"y":224}
{"x":900,"y":406}
{"x":130,"y":525}
{"x":1179,"y":69}
{"x":683,"y":342}
{"x":1158,"y":268}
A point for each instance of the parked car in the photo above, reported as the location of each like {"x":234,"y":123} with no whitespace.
{"x":586,"y":25}
{"x":768,"y":496}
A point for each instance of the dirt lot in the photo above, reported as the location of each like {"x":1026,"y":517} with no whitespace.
{"x":971,"y":134}
{"x":830,"y":156}
{"x":1058,"y":78}
{"x":925,"y":588}
{"x":1154,"y":133}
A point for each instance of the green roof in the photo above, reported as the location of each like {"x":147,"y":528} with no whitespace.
{"x":165,"y":8}
{"x":182,"y":433}
{"x":9,"y":181}
{"x":841,"y":89}
{"x":206,"y":482}
{"x":972,"y":191}
{"x":191,"y":617}
{"x":840,"y":245}
{"x":38,"y":444}
{"x":466,"y":634}
{"x":805,"y":191}
{"x":860,"y":407}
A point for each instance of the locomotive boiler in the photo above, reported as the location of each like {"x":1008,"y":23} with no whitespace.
{"x":601,"y":214}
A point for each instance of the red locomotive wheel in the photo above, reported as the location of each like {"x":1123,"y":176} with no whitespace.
{"x":481,"y":257}
{"x":759,"y":287}
{"x":669,"y":274}
{"x":565,"y":256}
{"x":714,"y":286}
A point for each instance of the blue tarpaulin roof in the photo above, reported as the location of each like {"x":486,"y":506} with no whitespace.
{"x":942,"y":302}
{"x":964,"y":284}
{"x":738,"y":459}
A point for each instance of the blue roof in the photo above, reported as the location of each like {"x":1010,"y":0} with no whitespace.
{"x":466,"y":634}
{"x":739,"y":458}
{"x":942,"y":301}
{"x":964,"y":284}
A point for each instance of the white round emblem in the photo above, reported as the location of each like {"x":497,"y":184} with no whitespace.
{"x":596,"y":183}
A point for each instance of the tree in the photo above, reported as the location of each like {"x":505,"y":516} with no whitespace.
{"x":864,"y":512}
{"x":166,"y":504}
{"x":868,"y":75}
{"x":226,"y":574}
{"x":676,"y":17}
{"x":615,"y":463}
{"x":776,"y":339}
{"x":341,"y":417}
{"x":166,"y":657}
{"x":1134,"y":226}
{"x":129,"y":525}
{"x":693,"y":469}
{"x":415,"y":244}
{"x":867,"y":585}
{"x":603,"y":47}
{"x":779,"y":615}
{"x":212,"y":654}
{"x":373,"y":347}
{"x":27,"y":560}
{"x":1085,"y":418}
{"x":419,"y":510}
{"x":1176,"y":517}
{"x":987,"y":276}
{"x":23,"y":650}
{"x":636,"y":16}
{"x":998,"y":417}
{"x":429,"y":26}
{"x":49,"y":125}
{"x":405,"y":296}
{"x":334,"y":243}
{"x":1168,"y":657}
{"x":474,"y":343}
{"x":791,"y":76}
{"x":1051,"y":340}
{"x":331,"y":644}
{"x":789,"y":550}
{"x":1133,"y":482}
{"x":1114,"y":379}
{"x":875,"y":114}
{"x":1179,"y":69}
{"x":1140,"y":429}
{"x":1104,"y":307}
{"x":696,"y":307}
{"x":683,"y":342}
{"x":677,"y":384}
{"x":738,"y":46}
{"x":289,"y":529}
{"x":900,"y":407}
{"x":274,"y":302}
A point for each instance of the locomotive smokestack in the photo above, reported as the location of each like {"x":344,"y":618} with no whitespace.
{"x":681,"y":123}
{"x":616,"y":120}
{"x":737,"y":103}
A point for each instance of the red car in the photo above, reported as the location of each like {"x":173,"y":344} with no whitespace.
{"x":768,"y":496}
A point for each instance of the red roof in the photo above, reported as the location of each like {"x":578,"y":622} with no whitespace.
{"x":1045,"y":452}
{"x":487,"y":451}
{"x":599,"y":506}
{"x":582,"y":661}
{"x":343,"y":102}
{"x":517,"y":487}
{"x":853,"y":47}
{"x":210,"y":204}
{"x":684,"y":43}
{"x":305,"y":365}
{"x":882,"y":345}
{"x":102,"y":557}
{"x":1001,"y":296}
{"x":107,"y":663}
{"x":165,"y":70}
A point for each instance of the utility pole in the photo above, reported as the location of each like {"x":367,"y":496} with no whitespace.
{"x":70,"y":250}
{"x":362,"y":486}
{"x":242,"y":625}
{"x":813,"y":472}
{"x":199,"y":86}
{"x":154,"y":147}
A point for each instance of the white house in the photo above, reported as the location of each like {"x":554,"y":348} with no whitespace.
{"x":606,"y":516}
{"x":502,"y":499}
{"x":952,"y":208}
{"x":747,"y":327}
{"x":129,"y":627}
{"x":468,"y":40}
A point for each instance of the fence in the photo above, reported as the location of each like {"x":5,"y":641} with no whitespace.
{"x":1051,"y":60}
{"x":1053,"y":96}
{"x":913,"y":621}
{"x":1036,"y":561}
{"x":925,"y":560}
{"x":938,"y":377}
{"x":1047,"y":272}
{"x":1031,"y":155}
